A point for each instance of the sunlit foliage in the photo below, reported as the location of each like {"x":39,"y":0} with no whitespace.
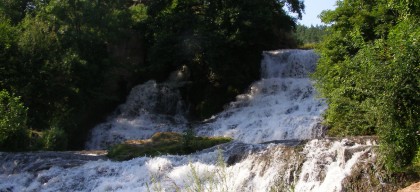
{"x":369,"y":72}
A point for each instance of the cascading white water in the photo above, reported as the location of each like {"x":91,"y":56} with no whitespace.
{"x":280,"y":106}
{"x":321,"y":165}
{"x":283,"y":105}
{"x":150,"y":108}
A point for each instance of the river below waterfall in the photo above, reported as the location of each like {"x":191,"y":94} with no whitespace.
{"x":279,"y":144}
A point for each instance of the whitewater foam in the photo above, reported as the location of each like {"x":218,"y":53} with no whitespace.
{"x":283,"y":105}
{"x":150,"y":108}
{"x":315,"y":166}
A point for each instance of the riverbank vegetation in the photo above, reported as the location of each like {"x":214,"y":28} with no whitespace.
{"x":369,"y":72}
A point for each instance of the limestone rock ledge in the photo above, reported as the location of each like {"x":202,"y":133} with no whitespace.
{"x":412,"y":188}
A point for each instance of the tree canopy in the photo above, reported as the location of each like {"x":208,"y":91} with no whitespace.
{"x":54,"y":55}
{"x":219,"y":41}
{"x":310,"y":35}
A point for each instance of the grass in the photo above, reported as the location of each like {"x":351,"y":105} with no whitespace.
{"x":163,"y":143}
{"x":308,"y":46}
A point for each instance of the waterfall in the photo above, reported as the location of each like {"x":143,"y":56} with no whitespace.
{"x":317,"y":165}
{"x":278,"y":143}
{"x":282,"y":105}
{"x":150,"y":108}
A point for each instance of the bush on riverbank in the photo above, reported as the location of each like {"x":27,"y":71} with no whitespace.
{"x":13,"y":126}
{"x":369,"y":72}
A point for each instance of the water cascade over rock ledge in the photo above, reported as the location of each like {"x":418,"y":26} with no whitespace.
{"x":314,"y":165}
{"x":282,"y":105}
{"x":278,"y":143}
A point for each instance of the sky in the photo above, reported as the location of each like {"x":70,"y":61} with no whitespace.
{"x":313,"y":8}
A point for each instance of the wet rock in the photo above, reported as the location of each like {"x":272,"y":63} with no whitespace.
{"x":37,"y":161}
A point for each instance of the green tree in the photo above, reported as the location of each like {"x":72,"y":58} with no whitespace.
{"x":14,"y":10}
{"x":398,"y":104}
{"x":308,"y":35}
{"x":8,"y":49}
{"x":369,"y":74}
{"x":56,"y":56}
{"x":13,"y":127}
{"x":219,"y":41}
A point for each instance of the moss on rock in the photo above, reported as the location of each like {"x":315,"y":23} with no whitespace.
{"x":162,"y":143}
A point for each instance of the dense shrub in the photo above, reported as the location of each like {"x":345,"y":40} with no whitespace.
{"x":13,"y":127}
{"x":54,"y":139}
